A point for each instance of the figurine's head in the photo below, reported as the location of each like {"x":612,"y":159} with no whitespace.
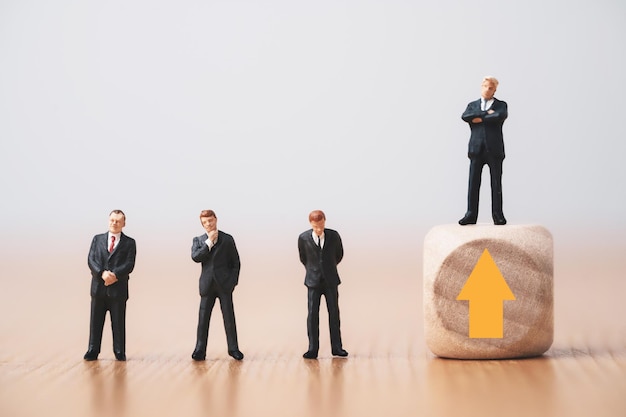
{"x":317,"y":218}
{"x":208,"y":220}
{"x":488,"y":87}
{"x":117,"y":220}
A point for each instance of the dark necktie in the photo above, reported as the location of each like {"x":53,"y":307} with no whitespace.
{"x":112,"y":244}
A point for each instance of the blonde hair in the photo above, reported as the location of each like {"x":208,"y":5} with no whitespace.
{"x":492,"y":80}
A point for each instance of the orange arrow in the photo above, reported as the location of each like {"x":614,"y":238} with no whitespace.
{"x":485,"y":289}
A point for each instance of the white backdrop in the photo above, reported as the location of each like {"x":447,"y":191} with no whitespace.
{"x":265,"y":110}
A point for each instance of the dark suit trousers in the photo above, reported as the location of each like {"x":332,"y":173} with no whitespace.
{"x":117,"y":309}
{"x":228,"y":314}
{"x":331,"y":294}
{"x":477,"y":162}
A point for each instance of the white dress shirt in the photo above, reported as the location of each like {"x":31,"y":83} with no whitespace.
{"x":485,"y":105}
{"x":319,"y":240}
{"x":117,"y":240}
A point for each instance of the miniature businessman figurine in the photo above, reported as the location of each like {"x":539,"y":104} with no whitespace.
{"x":111,"y":260}
{"x":218,"y":254}
{"x":485,"y":117}
{"x":320,"y":252}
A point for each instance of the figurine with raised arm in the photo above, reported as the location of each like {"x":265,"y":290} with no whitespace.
{"x":111,"y":259}
{"x":485,"y":117}
{"x":218,"y":254}
{"x":320,"y":252}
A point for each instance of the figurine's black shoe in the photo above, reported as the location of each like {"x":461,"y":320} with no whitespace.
{"x":236,"y":354}
{"x":198,"y":355}
{"x":467,"y":219}
{"x":120,"y":356}
{"x":498,"y":219}
{"x":310,"y":354}
{"x":340,"y":352}
{"x":90,"y":355}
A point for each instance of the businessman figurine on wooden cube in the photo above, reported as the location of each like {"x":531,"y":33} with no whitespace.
{"x":485,"y":117}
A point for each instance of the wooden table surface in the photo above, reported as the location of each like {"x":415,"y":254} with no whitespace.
{"x":390,"y":372}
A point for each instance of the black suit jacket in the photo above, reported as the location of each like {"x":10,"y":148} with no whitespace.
{"x":221,"y":263}
{"x":121,"y":262}
{"x":320,"y":264}
{"x":488,"y":133}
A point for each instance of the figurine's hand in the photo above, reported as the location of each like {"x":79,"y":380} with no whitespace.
{"x":490,"y":111}
{"x":109,"y":278}
{"x":212,"y":235}
{"x":477,"y":120}
{"x":110,"y":281}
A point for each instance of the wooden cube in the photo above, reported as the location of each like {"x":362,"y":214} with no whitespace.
{"x":523,"y":256}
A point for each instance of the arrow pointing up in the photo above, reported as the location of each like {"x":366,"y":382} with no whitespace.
{"x":486,"y":289}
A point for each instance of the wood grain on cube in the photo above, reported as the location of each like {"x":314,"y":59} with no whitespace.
{"x":524,"y":256}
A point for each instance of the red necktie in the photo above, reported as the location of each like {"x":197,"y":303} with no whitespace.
{"x":112,"y":244}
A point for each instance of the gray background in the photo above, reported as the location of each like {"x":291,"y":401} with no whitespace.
{"x":265,"y":110}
